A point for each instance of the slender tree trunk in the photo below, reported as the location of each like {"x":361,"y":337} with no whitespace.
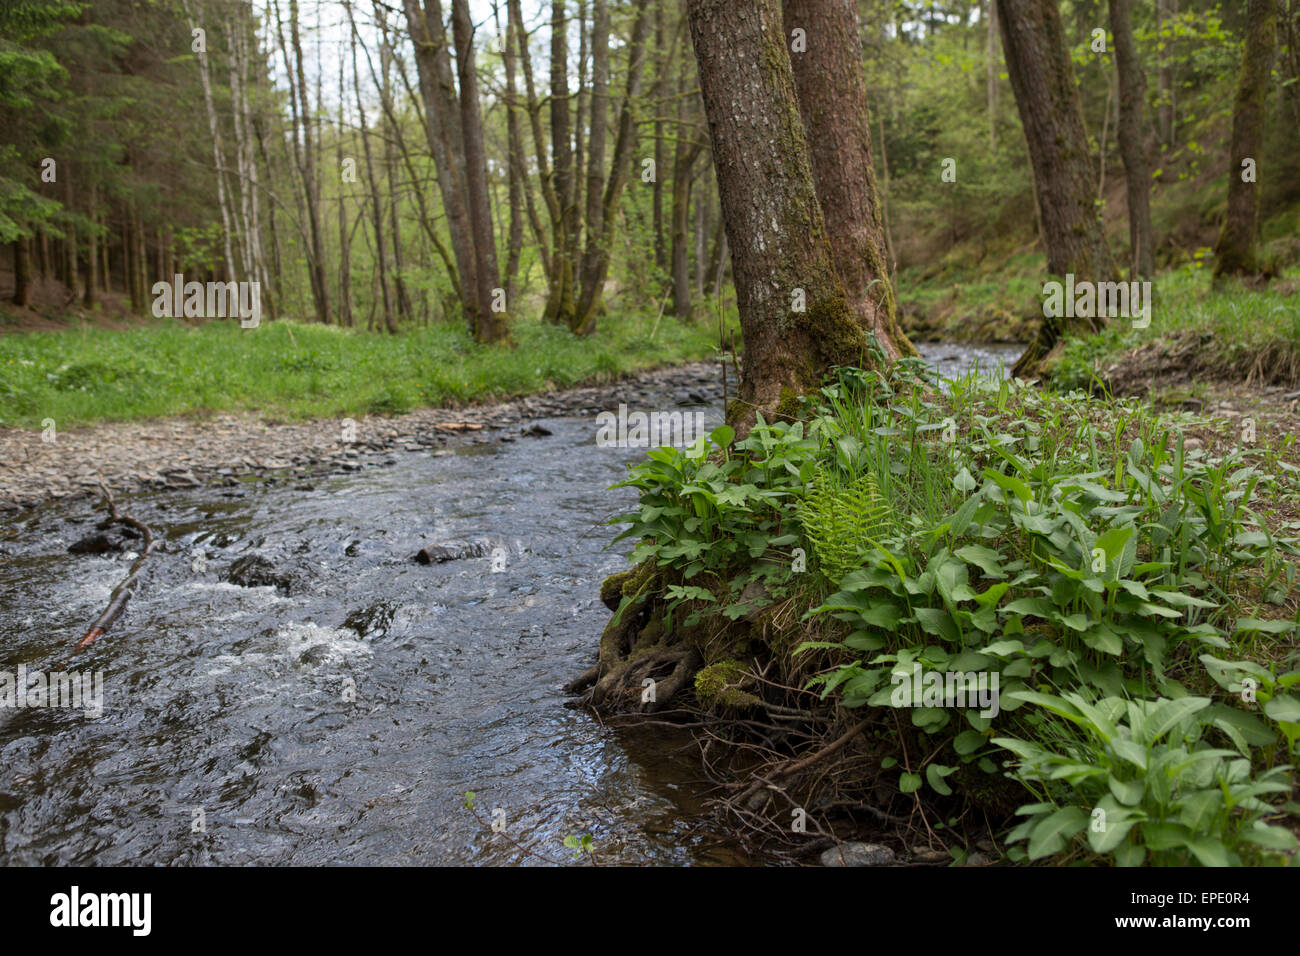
{"x":545,"y":177}
{"x":599,"y":110}
{"x":560,"y":304}
{"x":218,"y":157}
{"x":833,"y":104}
{"x":685,"y":152}
{"x":1042,"y":78}
{"x":141,"y":258}
{"x":22,"y":273}
{"x":662,"y":68}
{"x":1237,"y":250}
{"x":1137,"y":174}
{"x":700,"y":213}
{"x":433,"y":63}
{"x":515,"y":165}
{"x":390,"y":133}
{"x":345,"y":244}
{"x":92,"y":251}
{"x":581,"y":101}
{"x":311,"y":181}
{"x":1165,"y":111}
{"x":376,"y":204}
{"x":991,"y":71}
{"x":600,"y":219}
{"x":793,"y":313}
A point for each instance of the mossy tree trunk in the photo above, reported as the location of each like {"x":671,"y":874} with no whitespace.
{"x":1237,"y":250}
{"x":1137,"y":173}
{"x":833,"y":106}
{"x":793,"y":311}
{"x":1042,"y":78}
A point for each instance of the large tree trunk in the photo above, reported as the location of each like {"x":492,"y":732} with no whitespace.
{"x":780,"y":252}
{"x":1237,"y":249}
{"x":1042,"y":78}
{"x":833,"y":104}
{"x":1137,"y":174}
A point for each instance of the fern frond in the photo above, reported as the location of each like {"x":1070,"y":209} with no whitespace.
{"x":839,"y":522}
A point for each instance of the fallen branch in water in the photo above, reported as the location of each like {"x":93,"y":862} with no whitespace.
{"x":122,"y":593}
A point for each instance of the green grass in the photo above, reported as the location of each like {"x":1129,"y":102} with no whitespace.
{"x":296,"y":371}
{"x":961,"y":301}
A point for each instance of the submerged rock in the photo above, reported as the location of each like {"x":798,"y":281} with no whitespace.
{"x":255,"y":570}
{"x":452,"y":551}
{"x":377,"y":618}
{"x":103,"y":542}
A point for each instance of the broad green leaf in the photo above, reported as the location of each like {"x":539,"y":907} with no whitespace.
{"x":1052,"y":831}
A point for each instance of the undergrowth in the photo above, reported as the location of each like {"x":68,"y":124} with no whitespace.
{"x":1129,"y":603}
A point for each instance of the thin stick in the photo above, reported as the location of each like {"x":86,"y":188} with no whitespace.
{"x":662,"y":305}
{"x":122,"y":593}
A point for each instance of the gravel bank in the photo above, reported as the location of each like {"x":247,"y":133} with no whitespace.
{"x":179,"y":453}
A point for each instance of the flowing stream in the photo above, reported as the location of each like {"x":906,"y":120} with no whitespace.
{"x":339,"y":712}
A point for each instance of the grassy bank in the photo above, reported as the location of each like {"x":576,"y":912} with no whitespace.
{"x":1130,"y":601}
{"x":1222,"y":332}
{"x":291,"y":370}
{"x":1229,"y":332}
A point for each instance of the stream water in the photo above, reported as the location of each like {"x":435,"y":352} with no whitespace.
{"x":339,"y":714}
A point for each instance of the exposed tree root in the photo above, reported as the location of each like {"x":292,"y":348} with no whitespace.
{"x":775,"y":752}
